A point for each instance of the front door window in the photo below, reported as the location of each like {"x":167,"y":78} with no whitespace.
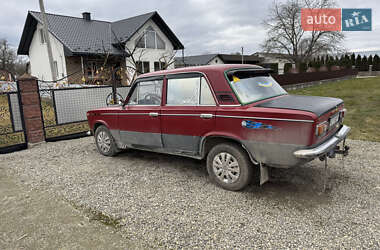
{"x":147,"y":93}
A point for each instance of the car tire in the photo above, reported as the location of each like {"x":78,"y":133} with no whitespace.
{"x":105,"y":142}
{"x":229,"y":166}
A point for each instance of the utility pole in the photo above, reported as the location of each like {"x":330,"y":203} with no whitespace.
{"x":242,"y":55}
{"x":183,"y":57}
{"x":47,"y":39}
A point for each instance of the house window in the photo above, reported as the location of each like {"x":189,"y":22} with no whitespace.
{"x":142,"y":67}
{"x":159,"y":66}
{"x":42,"y":36}
{"x":160,"y":42}
{"x":150,"y":39}
{"x":92,"y":68}
{"x":55,"y":64}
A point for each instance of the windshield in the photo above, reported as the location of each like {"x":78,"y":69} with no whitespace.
{"x":251,"y":86}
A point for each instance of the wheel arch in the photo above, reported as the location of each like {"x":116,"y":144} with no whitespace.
{"x":97,"y":124}
{"x":207,"y":143}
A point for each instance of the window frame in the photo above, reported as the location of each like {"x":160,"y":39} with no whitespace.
{"x":55,"y":63}
{"x":185,"y":75}
{"x":159,"y":64}
{"x":42,"y":36}
{"x":260,"y":70}
{"x":143,"y":36}
{"x":136,"y":84}
{"x":143,"y":64}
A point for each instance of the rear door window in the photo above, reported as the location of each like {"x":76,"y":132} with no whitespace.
{"x":189,"y":91}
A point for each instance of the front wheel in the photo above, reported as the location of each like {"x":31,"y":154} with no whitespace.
{"x":104,"y":141}
{"x":229,"y":166}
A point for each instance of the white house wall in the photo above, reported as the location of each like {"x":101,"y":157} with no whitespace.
{"x":150,"y":55}
{"x":215,"y":60}
{"x":38,"y":56}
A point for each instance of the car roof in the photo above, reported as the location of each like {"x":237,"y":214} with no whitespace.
{"x":203,"y":69}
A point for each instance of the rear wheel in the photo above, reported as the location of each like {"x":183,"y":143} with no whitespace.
{"x":105,"y":142}
{"x":229,"y":166}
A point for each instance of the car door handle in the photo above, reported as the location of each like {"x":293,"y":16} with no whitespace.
{"x":153,"y":114}
{"x":206,"y":116}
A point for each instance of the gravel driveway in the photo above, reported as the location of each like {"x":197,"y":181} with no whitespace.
{"x":167,"y":201}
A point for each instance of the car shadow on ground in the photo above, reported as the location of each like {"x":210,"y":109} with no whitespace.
{"x":300,"y":186}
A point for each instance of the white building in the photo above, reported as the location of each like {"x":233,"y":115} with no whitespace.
{"x":82,"y":47}
{"x":274,"y":58}
{"x":210,"y":59}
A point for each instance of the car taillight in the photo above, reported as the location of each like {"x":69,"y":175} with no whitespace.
{"x":342,"y":113}
{"x":321,"y":129}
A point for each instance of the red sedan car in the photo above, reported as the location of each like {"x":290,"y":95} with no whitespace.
{"x":236,"y":116}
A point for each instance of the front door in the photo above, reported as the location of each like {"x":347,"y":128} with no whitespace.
{"x":139,"y":122}
{"x":188,"y":113}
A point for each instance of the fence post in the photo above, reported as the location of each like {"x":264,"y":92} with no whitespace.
{"x":30,"y":102}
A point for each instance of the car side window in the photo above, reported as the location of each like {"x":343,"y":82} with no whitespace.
{"x":206,"y":97}
{"x":147,"y":93}
{"x":189,"y":92}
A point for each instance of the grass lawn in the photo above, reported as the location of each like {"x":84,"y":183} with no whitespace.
{"x":361,"y":99}
{"x":7,"y":137}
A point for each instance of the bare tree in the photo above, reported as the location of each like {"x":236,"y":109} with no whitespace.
{"x":134,"y":56}
{"x":7,"y":56}
{"x":167,"y":59}
{"x":134,"y":59}
{"x":20,"y":66}
{"x":286,"y":36}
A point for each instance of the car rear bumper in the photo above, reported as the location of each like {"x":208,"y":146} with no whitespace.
{"x":325,"y":147}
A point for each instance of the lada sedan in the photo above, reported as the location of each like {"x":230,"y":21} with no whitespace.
{"x":235,"y":116}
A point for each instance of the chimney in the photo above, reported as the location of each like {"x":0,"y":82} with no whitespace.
{"x":86,"y":16}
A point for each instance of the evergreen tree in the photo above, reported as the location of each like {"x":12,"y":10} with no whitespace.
{"x":370,"y":60}
{"x":353,"y":59}
{"x":330,"y":61}
{"x":324,"y":59}
{"x":358,"y":62}
{"x":338,"y":61}
{"x":364,"y":64}
{"x":347,"y":62}
{"x":376,"y":63}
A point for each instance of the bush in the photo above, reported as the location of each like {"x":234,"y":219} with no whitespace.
{"x":311,"y":69}
{"x":302,"y":67}
{"x":323,"y":68}
{"x":287,"y":67}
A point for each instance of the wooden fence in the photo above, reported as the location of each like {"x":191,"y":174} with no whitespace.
{"x":289,"y":78}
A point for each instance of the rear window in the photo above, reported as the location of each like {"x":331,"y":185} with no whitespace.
{"x":251,"y":86}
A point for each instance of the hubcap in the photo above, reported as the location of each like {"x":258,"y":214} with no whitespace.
{"x":226,"y":167}
{"x":104,"y":141}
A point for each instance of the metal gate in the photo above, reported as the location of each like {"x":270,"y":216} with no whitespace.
{"x":12,"y":126}
{"x":64,"y":109}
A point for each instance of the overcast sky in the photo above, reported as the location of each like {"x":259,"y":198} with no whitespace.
{"x":203,"y":26}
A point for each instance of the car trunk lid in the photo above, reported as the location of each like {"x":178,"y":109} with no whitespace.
{"x":315,"y":104}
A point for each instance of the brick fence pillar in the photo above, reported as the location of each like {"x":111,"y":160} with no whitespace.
{"x":30,"y":101}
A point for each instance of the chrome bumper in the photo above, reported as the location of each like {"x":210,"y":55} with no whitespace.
{"x":325,"y":147}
